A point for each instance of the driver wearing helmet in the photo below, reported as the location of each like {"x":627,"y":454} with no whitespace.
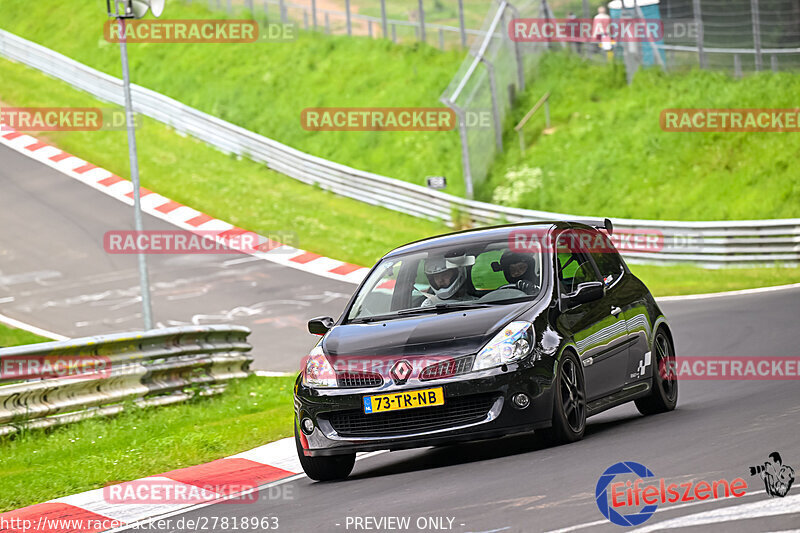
{"x":520,"y":271}
{"x":448,"y":281}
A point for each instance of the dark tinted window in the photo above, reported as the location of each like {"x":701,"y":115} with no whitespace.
{"x":574,"y":266}
{"x":609,"y":263}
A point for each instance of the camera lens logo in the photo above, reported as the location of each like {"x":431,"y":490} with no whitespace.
{"x":778,"y":477}
{"x":602,"y":497}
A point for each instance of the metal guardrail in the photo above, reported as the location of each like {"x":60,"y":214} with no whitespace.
{"x":709,"y":244}
{"x":156,"y":367}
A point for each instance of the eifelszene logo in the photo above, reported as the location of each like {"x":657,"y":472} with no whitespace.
{"x":778,"y":477}
{"x":643,"y":497}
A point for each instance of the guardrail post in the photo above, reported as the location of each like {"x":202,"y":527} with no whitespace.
{"x":756,"y":33}
{"x":347,"y":16}
{"x":461,"y":27}
{"x":698,"y":20}
{"x":421,"y":22}
{"x":314,"y":13}
{"x":384,"y":26}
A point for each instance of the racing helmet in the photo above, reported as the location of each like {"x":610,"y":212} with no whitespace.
{"x":445,"y":278}
{"x":514,"y":258}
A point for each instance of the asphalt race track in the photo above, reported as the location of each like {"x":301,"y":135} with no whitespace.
{"x":719,"y":429}
{"x":55,"y":274}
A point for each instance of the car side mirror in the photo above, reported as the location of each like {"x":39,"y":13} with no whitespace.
{"x":320,"y":325}
{"x":585,"y":293}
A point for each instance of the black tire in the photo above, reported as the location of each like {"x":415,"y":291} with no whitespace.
{"x":329,"y":468}
{"x":664,"y":395}
{"x":569,"y":403}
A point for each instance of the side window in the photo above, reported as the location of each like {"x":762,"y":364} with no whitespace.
{"x":608,"y":261}
{"x":574,"y":266}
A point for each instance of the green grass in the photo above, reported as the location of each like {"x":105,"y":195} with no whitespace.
{"x":15,"y":337}
{"x":265,"y":86}
{"x":40,"y":465}
{"x":609,"y":157}
{"x":238,"y":191}
{"x":255,"y":198}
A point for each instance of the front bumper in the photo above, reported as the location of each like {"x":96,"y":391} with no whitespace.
{"x":477,"y":406}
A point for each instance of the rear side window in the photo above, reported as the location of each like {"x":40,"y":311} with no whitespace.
{"x":608,"y":261}
{"x":574,"y":266}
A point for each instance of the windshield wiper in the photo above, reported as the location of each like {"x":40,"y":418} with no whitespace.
{"x":443,"y":307}
{"x":438,"y":308}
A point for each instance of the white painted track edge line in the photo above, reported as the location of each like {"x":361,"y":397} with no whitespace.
{"x":14,"y":323}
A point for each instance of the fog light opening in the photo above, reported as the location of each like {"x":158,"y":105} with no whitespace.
{"x":307,"y":426}
{"x":521,"y":401}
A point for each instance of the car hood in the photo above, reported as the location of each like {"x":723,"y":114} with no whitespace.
{"x":449,"y":334}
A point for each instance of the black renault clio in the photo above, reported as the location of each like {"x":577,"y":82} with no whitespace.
{"x":481,"y":334}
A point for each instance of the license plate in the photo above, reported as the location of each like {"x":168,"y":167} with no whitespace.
{"x":396,"y":401}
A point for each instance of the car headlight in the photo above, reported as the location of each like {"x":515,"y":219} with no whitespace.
{"x":317,"y":370}
{"x":512,"y":344}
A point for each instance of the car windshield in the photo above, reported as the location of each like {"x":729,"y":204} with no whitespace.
{"x":449,"y":278}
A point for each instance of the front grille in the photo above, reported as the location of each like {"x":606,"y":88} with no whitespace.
{"x":455,"y":412}
{"x":448,"y":368}
{"x":359,"y":379}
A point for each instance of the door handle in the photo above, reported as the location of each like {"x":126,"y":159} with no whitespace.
{"x":615,"y":311}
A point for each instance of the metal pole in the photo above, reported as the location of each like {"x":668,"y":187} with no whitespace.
{"x":314,"y":13}
{"x":518,"y":55}
{"x":305,"y":19}
{"x":327,"y":23}
{"x":498,"y":132}
{"x":774,"y":62}
{"x":462,"y":134}
{"x":441,"y":39}
{"x":461,"y":26}
{"x":369,"y":28}
{"x":282,"y":7}
{"x":347,"y":13}
{"x":230,"y":6}
{"x":698,"y":19}
{"x":250,"y":6}
{"x":144,"y":283}
{"x":421,"y":22}
{"x":586,"y":11}
{"x":394,"y":33}
{"x":383,"y":19}
{"x":756,"y":33}
{"x":737,"y":66}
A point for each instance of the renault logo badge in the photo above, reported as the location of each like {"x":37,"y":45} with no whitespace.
{"x":401,"y":371}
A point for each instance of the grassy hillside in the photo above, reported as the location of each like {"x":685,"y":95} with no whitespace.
{"x":254,"y":197}
{"x":609,"y":157}
{"x":265,"y":86}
